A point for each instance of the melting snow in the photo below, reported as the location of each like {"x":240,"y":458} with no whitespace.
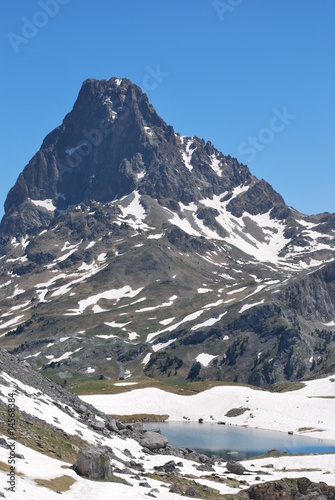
{"x":102,"y":257}
{"x":215,"y":165}
{"x":124,"y":384}
{"x":237,"y":291}
{"x":155,"y":236}
{"x":240,"y":229}
{"x":149,"y":131}
{"x":47,"y":204}
{"x":165,"y":304}
{"x":158,"y":347}
{"x":133,"y":212}
{"x":21,"y":306}
{"x":205,"y":359}
{"x":213,"y":304}
{"x":140,"y":175}
{"x":90,"y":245}
{"x":208,"y":322}
{"x":167,"y":321}
{"x":189,"y":317}
{"x":114,"y":294}
{"x":66,"y":355}
{"x":67,"y":246}
{"x":117,"y":325}
{"x":105,"y":337}
{"x":187,"y":155}
{"x":275,"y":411}
{"x":97,"y":309}
{"x":249,"y":306}
{"x":146,"y":359}
{"x":12,"y":322}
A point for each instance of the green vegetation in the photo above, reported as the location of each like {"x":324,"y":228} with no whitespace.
{"x":193,"y":374}
{"x":185,"y":388}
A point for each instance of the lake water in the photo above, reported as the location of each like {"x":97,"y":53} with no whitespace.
{"x":237,"y":442}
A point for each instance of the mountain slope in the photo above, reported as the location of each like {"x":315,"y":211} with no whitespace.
{"x":128,"y":249}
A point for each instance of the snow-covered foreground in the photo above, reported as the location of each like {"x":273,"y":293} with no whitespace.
{"x":289,"y":410}
{"x":309,"y":411}
{"x":34,"y":466}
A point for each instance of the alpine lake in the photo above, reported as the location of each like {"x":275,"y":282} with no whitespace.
{"x":237,"y":443}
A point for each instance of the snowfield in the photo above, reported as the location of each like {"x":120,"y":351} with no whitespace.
{"x":312,"y":406}
{"x":308,"y":411}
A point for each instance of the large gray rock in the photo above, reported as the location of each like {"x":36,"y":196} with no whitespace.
{"x":111,"y":425}
{"x":98,"y":426}
{"x":94,"y":463}
{"x":289,"y":489}
{"x":136,"y":427}
{"x":235,"y":467}
{"x":153,"y":440}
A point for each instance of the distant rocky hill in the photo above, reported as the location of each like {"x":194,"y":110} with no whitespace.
{"x":130,"y":250}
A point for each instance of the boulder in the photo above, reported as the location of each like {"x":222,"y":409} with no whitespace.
{"x":235,"y":467}
{"x":153,"y":440}
{"x":94,"y":463}
{"x":192,"y":492}
{"x":169,"y":467}
{"x":135,"y":427}
{"x":175,"y":489}
{"x":111,"y":425}
{"x":289,"y":489}
{"x":98,"y":426}
{"x":81,"y":409}
{"x":120,"y":425}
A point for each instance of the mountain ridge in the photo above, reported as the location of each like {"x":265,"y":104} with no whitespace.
{"x":117,"y":209}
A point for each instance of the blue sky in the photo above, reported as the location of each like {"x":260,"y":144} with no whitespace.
{"x":255,"y":77}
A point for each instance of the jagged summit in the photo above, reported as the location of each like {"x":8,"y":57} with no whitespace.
{"x":113,"y":142}
{"x":84,"y":158}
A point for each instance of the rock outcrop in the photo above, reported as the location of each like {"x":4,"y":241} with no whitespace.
{"x":289,"y":489}
{"x":153,"y":440}
{"x":94,"y":463}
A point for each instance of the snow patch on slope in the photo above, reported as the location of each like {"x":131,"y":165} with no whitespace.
{"x":113,"y":294}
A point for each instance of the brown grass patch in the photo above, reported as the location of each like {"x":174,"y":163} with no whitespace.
{"x":62,"y":483}
{"x":4,"y":467}
{"x":140,"y":417}
{"x":287,"y":387}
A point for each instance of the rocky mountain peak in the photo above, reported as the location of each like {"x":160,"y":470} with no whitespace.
{"x":117,"y":215}
{"x":87,"y":157}
{"x":111,"y":143}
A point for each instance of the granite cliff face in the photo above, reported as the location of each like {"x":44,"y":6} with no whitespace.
{"x":111,"y":143}
{"x":128,"y":249}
